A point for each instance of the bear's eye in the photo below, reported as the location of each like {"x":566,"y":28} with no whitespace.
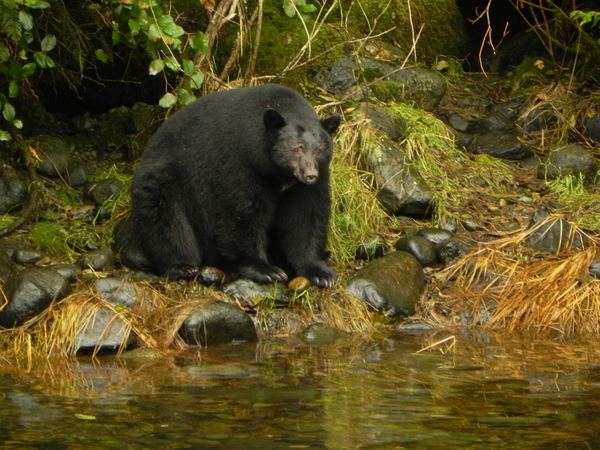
{"x":298,"y":148}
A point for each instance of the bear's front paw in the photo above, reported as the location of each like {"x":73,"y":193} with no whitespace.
{"x":263,"y":274}
{"x":183,"y":272}
{"x":320,"y":275}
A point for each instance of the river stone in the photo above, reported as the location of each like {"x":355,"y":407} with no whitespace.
{"x":595,"y":267}
{"x":212,"y":276}
{"x":320,"y":334}
{"x":13,"y":193}
{"x":98,"y":260}
{"x":455,"y":248}
{"x":373,"y":246}
{"x":496,"y":121}
{"x":218,"y":323}
{"x":416,"y":84}
{"x":117,"y":291}
{"x":553,"y":236}
{"x":55,"y":155}
{"x":500,"y":144}
{"x":105,"y":333}
{"x":457,"y":122}
{"x":69,"y":271}
{"x":26,"y":256}
{"x":382,"y":118}
{"x":29,"y":293}
{"x":101,"y":191}
{"x":435,"y":235}
{"x":419,"y":247}
{"x":569,"y":160}
{"x":592,"y":126}
{"x":392,"y":284}
{"x":402,"y":191}
{"x":247,"y":290}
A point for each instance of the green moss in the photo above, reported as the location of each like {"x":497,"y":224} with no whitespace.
{"x":388,"y":91}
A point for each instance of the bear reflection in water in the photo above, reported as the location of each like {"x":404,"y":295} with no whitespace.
{"x":238,"y":180}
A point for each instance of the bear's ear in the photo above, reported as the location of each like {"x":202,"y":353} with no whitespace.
{"x":331,"y":124}
{"x":273,"y":120}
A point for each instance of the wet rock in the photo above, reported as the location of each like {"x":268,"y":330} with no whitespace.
{"x":373,"y":246}
{"x":218,"y":323}
{"x":101,"y":191}
{"x":98,"y":260}
{"x":392,"y":284}
{"x":500,"y":144}
{"x":77,"y":176}
{"x":13,"y":193}
{"x":402,"y":191}
{"x":592,"y":125}
{"x":55,"y":154}
{"x":553,"y":235}
{"x":419,"y":247}
{"x":103,"y":332}
{"x":382,"y":119}
{"x":26,"y":256}
{"x":117,"y":291}
{"x":247,"y":290}
{"x":569,"y":160}
{"x":538,"y":119}
{"x":29,"y":293}
{"x":416,"y":84}
{"x":320,"y":334}
{"x":595,"y":267}
{"x":212,"y":276}
{"x":496,"y":121}
{"x":470,"y":223}
{"x":69,"y":271}
{"x":141,"y":117}
{"x":457,"y":122}
{"x":435,"y":235}
{"x":455,"y":248}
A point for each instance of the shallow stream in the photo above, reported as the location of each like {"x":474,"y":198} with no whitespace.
{"x":376,"y":393}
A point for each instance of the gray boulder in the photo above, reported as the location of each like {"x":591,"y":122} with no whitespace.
{"x":569,"y":160}
{"x":392,"y":284}
{"x":387,"y":81}
{"x":500,"y":144}
{"x":29,"y":293}
{"x":13,"y":193}
{"x":55,"y":155}
{"x":218,"y":323}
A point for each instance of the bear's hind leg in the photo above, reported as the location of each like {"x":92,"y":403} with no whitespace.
{"x":167,"y":238}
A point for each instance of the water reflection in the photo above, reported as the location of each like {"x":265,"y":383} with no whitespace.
{"x":375,"y":393}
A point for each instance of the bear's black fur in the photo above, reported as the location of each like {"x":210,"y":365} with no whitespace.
{"x":239,"y":180}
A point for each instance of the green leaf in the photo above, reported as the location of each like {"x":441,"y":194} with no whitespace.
{"x":153,"y":32}
{"x":4,"y":52}
{"x":101,"y":55}
{"x":15,"y":69}
{"x":198,"y":42}
{"x":197,"y":80}
{"x":26,"y":20}
{"x":4,"y":136}
{"x":167,"y":100}
{"x":172,"y":64}
{"x":188,"y":67}
{"x":116,"y":37}
{"x":48,"y":43}
{"x":13,"y":89}
{"x":288,"y":8}
{"x":39,"y":4}
{"x":8,"y":111}
{"x":43,"y":61}
{"x":170,"y":27}
{"x":18,"y":124}
{"x":134,"y":26}
{"x":185,"y":96}
{"x":156,"y":67}
{"x":28,"y":69}
{"x":308,"y":8}
{"x":165,"y":20}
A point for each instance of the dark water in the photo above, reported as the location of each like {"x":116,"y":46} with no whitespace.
{"x":375,"y":393}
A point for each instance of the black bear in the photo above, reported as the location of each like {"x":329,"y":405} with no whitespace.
{"x":238,"y":179}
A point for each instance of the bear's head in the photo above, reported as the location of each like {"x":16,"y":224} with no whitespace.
{"x":302,"y":148}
